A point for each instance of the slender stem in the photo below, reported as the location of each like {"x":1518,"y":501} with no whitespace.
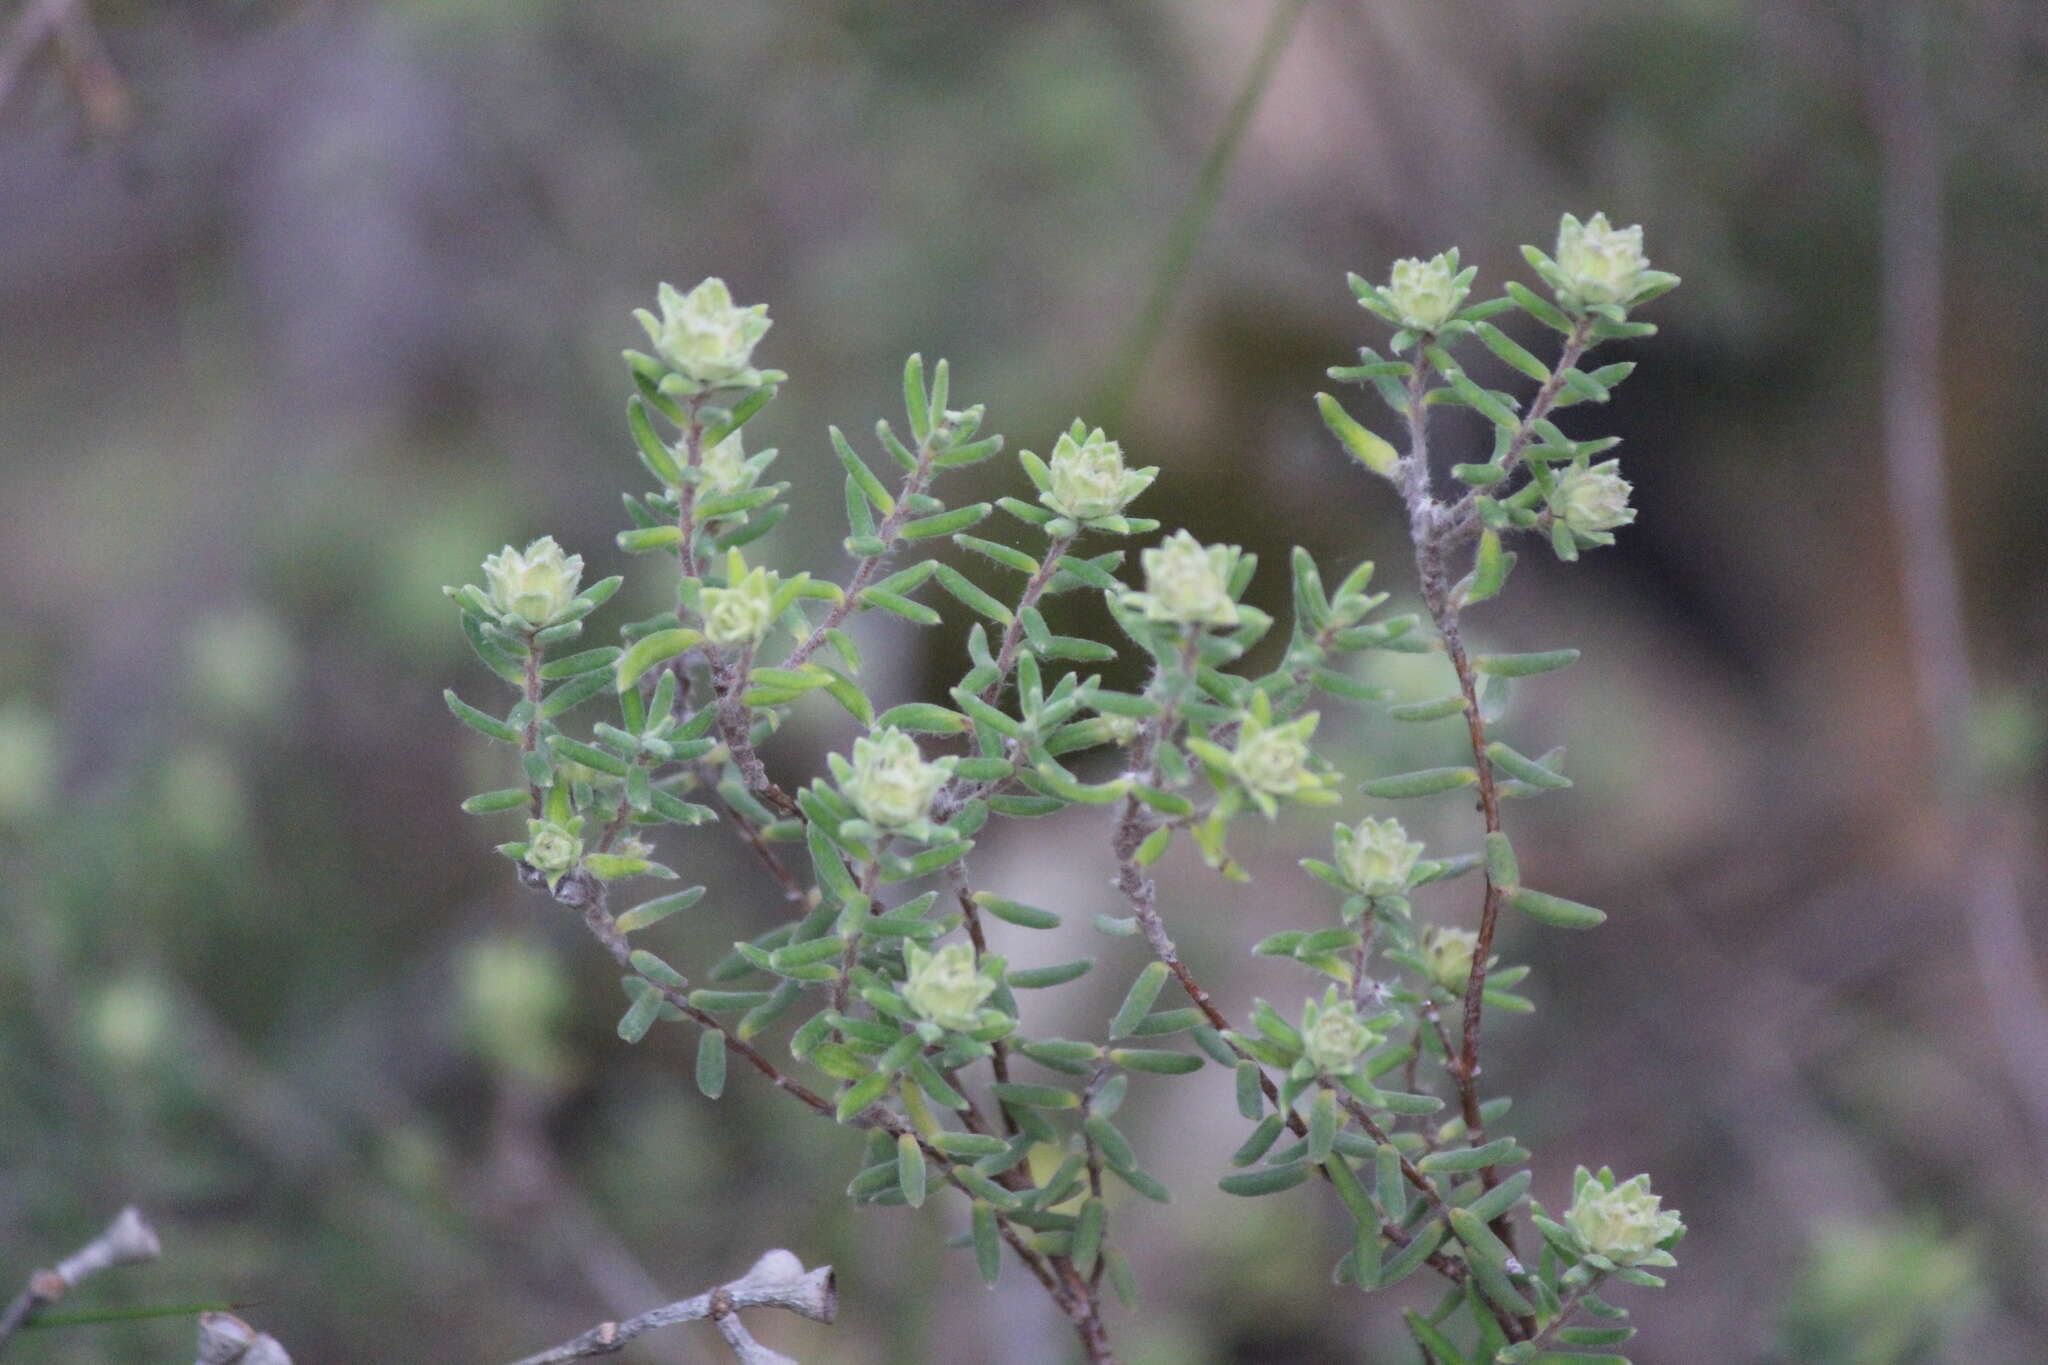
{"x":1186,"y":231}
{"x":126,"y":1240}
{"x":914,"y":483}
{"x":1013,"y":635}
{"x":777,"y":1280}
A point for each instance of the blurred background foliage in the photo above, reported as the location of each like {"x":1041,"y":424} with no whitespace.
{"x":310,"y":306}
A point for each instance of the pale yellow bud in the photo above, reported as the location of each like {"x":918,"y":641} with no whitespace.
{"x":1601,"y":263}
{"x":946,"y":987}
{"x":890,"y":783}
{"x":1624,"y":1224}
{"x":1426,"y":293}
{"x":704,"y":335}
{"x":1594,"y":498}
{"x":536,"y":585}
{"x":1377,"y":855}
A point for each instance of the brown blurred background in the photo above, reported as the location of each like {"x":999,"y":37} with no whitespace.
{"x":307,"y":307}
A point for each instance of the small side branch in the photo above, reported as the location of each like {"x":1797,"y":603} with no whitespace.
{"x":777,"y":1280}
{"x":127,"y":1240}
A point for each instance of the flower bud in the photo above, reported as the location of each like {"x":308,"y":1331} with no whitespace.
{"x":704,"y":335}
{"x":1601,"y":264}
{"x":1448,"y":955}
{"x":890,"y":782}
{"x":554,"y":850}
{"x":515,"y":999}
{"x":1188,"y":582}
{"x":1592,"y":499}
{"x":537,"y":586}
{"x":1088,"y":478}
{"x":724,"y":468}
{"x":1623,"y":1223}
{"x":946,"y":987}
{"x":28,"y":761}
{"x":1427,"y":293}
{"x":1273,"y":760}
{"x":740,"y":613}
{"x":1333,"y":1037}
{"x":1377,"y":855}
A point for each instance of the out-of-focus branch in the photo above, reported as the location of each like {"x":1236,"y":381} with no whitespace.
{"x":1186,"y":232}
{"x":225,"y":1339}
{"x":66,"y":27}
{"x":1979,"y":847}
{"x":777,"y":1280}
{"x":128,"y":1239}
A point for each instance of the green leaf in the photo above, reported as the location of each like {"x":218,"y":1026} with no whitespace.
{"x":1555,"y":911}
{"x":1366,"y":446}
{"x":945,"y":523}
{"x":575,"y":751}
{"x":1322,"y":1126}
{"x":1437,"y":1345}
{"x":487,"y":725}
{"x":910,"y":1170}
{"x":1525,"y":665}
{"x":956,"y":583}
{"x":863,"y":1093}
{"x":1509,"y":350}
{"x":1087,"y":1244}
{"x":1435,"y":709}
{"x":1427,"y":782}
{"x":1138,"y":1000}
{"x":1501,"y":867}
{"x":711,"y":1063}
{"x":924,"y":718}
{"x":1267,"y":1180}
{"x":863,"y":477}
{"x":1034,"y":1096}
{"x":1468,"y":1158}
{"x":917,"y":404}
{"x":917,"y":612}
{"x":1525,"y":769}
{"x":1158,"y":1061}
{"x":654,"y":452}
{"x":640,"y":1016}
{"x":1251,"y":1097}
{"x":506,"y":798}
{"x":988,"y":1247}
{"x":650,"y":650}
{"x":1501,"y":1197}
{"x":1023,"y":916}
{"x":645,"y":539}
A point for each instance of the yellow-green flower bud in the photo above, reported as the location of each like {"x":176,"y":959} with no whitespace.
{"x":28,"y":760}
{"x":1592,"y":498}
{"x":1188,"y":582}
{"x":1377,"y":855}
{"x":536,"y":586}
{"x":1448,"y":955}
{"x":1272,"y":761}
{"x":1622,"y":1222}
{"x":724,"y":468}
{"x":1333,"y":1037}
{"x":133,"y":1018}
{"x":554,"y":850}
{"x":741,"y":613}
{"x":946,"y":987}
{"x":891,"y":783}
{"x":1088,"y":478}
{"x":1427,"y":293}
{"x":704,"y":335}
{"x":515,"y":999}
{"x":1601,"y":264}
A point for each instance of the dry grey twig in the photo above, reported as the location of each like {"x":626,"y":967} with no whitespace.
{"x":777,"y":1280}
